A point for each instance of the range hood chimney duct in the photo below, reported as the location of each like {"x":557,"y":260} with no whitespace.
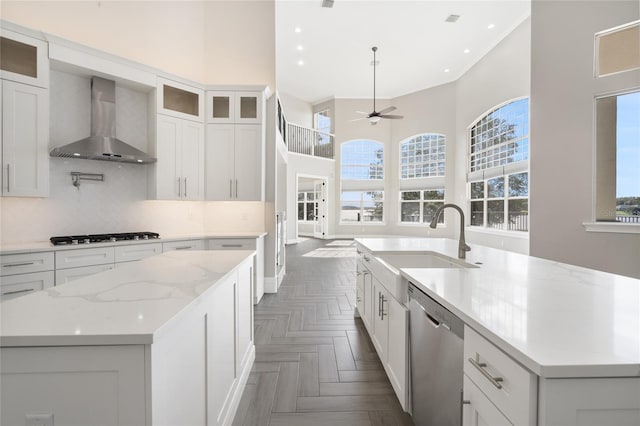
{"x":103,"y":144}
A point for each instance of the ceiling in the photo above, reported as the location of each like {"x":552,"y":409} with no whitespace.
{"x":415,"y":44}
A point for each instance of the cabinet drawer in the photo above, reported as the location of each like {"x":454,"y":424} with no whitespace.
{"x":84,"y":257}
{"x":183,"y":245}
{"x":511,"y":387}
{"x":136,"y":252}
{"x":18,"y":285}
{"x":23,"y":263}
{"x":64,"y":276}
{"x":232,"y":244}
{"x":479,"y":410}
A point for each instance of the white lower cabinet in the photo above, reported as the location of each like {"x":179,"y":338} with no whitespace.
{"x":25,"y":272}
{"x":64,"y":276}
{"x":477,"y":410}
{"x":21,"y":284}
{"x":183,"y":245}
{"x":193,"y":373}
{"x":134,"y":252}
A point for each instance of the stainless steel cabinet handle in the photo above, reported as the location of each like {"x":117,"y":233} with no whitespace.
{"x":26,"y":290}
{"x":236,"y":188}
{"x":230,"y":188}
{"x":382,"y":312}
{"x":379,"y":303}
{"x":185,"y":187}
{"x":12,"y":265}
{"x":179,"y":188}
{"x":183,"y":248}
{"x":231,"y":245}
{"x":358,"y":251}
{"x":365,"y":273}
{"x":8,"y":178}
{"x":495,"y":381}
{"x":367,"y":259}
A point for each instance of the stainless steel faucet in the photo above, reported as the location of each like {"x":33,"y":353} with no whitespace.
{"x":462,"y":245}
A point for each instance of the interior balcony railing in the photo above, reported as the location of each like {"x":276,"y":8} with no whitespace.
{"x":304,"y":140}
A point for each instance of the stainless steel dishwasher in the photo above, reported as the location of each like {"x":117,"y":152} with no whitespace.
{"x":436,"y":340}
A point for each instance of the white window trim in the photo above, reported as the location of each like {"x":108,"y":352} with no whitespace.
{"x":615,"y":228}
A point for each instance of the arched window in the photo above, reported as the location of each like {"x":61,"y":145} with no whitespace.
{"x":498,"y":172}
{"x":422,"y":156}
{"x":362,"y":179}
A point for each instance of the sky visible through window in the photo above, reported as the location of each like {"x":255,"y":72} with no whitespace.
{"x":628,"y":146}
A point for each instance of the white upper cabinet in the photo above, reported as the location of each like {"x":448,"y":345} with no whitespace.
{"x":227,"y":107}
{"x":25,"y":137}
{"x":23,"y":59}
{"x":180,"y":100}
{"x":179,"y":172}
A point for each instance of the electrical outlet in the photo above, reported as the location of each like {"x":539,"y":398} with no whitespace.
{"x":39,"y":419}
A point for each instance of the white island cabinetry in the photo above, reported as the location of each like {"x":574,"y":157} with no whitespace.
{"x":164,"y":341}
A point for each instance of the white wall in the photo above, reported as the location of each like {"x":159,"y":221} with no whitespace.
{"x":503,"y":74}
{"x":296,"y":110}
{"x":562,"y":114}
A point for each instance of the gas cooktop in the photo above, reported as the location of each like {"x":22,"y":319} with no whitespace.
{"x":103,"y":238}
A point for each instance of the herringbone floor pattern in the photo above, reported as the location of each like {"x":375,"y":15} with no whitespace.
{"x":315,"y":364}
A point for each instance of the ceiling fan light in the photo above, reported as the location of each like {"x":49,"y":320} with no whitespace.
{"x":374,"y":119}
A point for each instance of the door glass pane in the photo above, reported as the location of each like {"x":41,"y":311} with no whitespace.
{"x":300,"y":211}
{"x":221,"y":108}
{"x":19,"y":58}
{"x":495,"y":213}
{"x":310,"y":211}
{"x":180,"y":100}
{"x":248,"y":107}
{"x":477,"y":213}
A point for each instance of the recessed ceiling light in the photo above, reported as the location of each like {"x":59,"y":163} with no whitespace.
{"x":300,"y":63}
{"x":447,"y":70}
{"x":491,"y":26}
{"x":466,"y":51}
{"x":300,"y":48}
{"x":298,"y":30}
{"x":452,"y":18}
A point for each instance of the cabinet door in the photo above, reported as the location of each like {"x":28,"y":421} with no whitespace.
{"x":245,"y":314}
{"x":480,"y":411}
{"x":23,"y":59}
{"x":221,"y":107}
{"x":180,"y":100}
{"x":192,"y":160}
{"x":25,"y":136}
{"x":397,"y":362}
{"x":380,"y":337}
{"x":249,"y":161}
{"x":168,"y":181}
{"x":219,"y":163}
{"x":248,"y":107}
{"x":220,"y":349}
{"x":367,"y":318}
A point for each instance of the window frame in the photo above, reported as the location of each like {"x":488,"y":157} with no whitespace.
{"x":421,"y":202}
{"x":505,"y":198}
{"x":434,"y":163}
{"x":362,"y":210}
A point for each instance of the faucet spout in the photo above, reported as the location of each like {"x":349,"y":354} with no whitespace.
{"x":462,"y":245}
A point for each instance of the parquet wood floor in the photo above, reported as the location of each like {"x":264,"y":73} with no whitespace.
{"x":315,"y":364}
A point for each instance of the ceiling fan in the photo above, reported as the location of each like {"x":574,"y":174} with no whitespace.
{"x":375,"y":116}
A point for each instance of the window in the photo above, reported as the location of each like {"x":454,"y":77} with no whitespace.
{"x":499,"y":169}
{"x":361,"y":206}
{"x":322,"y":121}
{"x":307,"y":206}
{"x":362,"y":172}
{"x":420,"y":206}
{"x":362,"y":160}
{"x":618,"y":158}
{"x":422,"y":156}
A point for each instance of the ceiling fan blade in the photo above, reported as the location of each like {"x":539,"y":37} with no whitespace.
{"x":358,"y":119}
{"x":386,"y":110}
{"x":393,"y":117}
{"x":361,"y":112}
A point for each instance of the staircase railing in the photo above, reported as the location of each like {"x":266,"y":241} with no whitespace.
{"x":304,"y":140}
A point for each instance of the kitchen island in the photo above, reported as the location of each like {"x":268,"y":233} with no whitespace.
{"x":570,"y":335}
{"x":166,"y":340}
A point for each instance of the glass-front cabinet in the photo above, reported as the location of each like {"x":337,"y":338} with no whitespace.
{"x":180,"y":100}
{"x":226,"y":107}
{"x":23,"y":59}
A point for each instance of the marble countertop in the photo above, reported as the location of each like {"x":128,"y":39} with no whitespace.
{"x":557,"y":320}
{"x":40,"y":246}
{"x":125,"y":305}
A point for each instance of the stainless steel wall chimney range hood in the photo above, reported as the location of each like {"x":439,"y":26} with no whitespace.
{"x":103,"y":144}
